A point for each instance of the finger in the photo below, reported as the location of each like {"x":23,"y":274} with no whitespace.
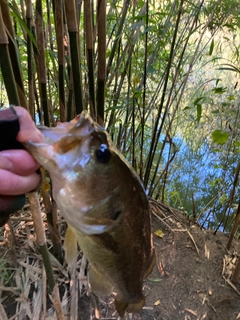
{"x":5,"y":163}
{"x":18,"y":161}
{"x":28,"y":130}
{"x":15,"y":184}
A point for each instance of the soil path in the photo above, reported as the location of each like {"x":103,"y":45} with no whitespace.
{"x":191,"y":279}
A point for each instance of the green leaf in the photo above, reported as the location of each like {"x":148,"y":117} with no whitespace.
{"x":231,"y":97}
{"x":211,"y":47}
{"x":219,"y":90}
{"x":155,"y":279}
{"x":217,"y":166}
{"x":223,"y":198}
{"x":237,"y":143}
{"x":199,"y":112}
{"x":230,"y":67}
{"x":220,"y":137}
{"x":197,"y":100}
{"x":23,"y":24}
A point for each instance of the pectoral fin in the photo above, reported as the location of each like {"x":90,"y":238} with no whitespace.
{"x":107,"y":209}
{"x":99,"y":282}
{"x":91,"y":222}
{"x":70,"y":247}
{"x":107,"y":241}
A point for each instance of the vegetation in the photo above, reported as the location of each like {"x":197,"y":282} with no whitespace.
{"x":163,"y":75}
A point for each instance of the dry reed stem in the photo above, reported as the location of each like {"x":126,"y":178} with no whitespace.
{"x":57,"y":303}
{"x":3,"y":315}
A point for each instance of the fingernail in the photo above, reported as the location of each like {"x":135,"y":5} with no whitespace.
{"x":37,"y":136}
{"x":5,"y":163}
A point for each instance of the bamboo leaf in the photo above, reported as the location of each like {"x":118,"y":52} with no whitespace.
{"x":199,"y":112}
{"x":220,"y":137}
{"x":197,"y":100}
{"x":219,"y":90}
{"x":23,"y":24}
{"x":211,"y":47}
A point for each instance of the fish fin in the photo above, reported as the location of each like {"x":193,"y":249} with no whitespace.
{"x":84,"y":126}
{"x":151,"y":263}
{"x":122,"y":306}
{"x":92,"y":225}
{"x":99,"y":282}
{"x":107,"y":241}
{"x":70,"y":247}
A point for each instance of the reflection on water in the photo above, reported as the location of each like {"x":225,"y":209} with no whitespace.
{"x":201,"y":178}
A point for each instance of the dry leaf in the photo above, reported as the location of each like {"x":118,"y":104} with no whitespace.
{"x":159,"y":233}
{"x":157,"y":303}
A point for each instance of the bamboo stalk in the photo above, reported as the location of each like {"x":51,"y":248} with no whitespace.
{"x":41,"y":65}
{"x":13,"y":53}
{"x":101,"y":25}
{"x":90,"y":53}
{"x":73,"y":31}
{"x":58,"y":20}
{"x":181,"y":90}
{"x":129,"y":49}
{"x":119,"y":31}
{"x":144,"y":94}
{"x":6,"y":66}
{"x":41,"y":239}
{"x":156,"y":135}
{"x":30,"y":60}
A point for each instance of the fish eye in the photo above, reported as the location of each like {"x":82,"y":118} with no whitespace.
{"x":103,"y":154}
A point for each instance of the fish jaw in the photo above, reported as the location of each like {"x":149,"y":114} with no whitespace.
{"x":42,"y":152}
{"x":60,"y":157}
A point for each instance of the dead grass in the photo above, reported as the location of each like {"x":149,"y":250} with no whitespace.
{"x":191,"y":280}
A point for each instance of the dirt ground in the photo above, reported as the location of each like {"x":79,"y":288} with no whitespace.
{"x":191,"y":279}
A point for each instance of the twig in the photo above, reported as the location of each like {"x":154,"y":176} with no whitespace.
{"x":3,"y":315}
{"x":57,"y":303}
{"x":231,"y":285}
{"x":190,"y":235}
{"x":156,"y":215}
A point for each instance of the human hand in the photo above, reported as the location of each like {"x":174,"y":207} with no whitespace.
{"x":17,"y":167}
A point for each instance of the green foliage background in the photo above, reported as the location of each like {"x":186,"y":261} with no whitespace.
{"x":170,"y":88}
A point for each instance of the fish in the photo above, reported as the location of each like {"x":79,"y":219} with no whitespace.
{"x":105,"y":206}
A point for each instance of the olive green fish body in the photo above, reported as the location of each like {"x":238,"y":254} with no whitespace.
{"x":104,"y":203}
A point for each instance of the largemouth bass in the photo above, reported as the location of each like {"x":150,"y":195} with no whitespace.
{"x":106,"y":208}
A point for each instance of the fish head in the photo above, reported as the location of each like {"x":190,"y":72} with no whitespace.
{"x":86,"y":172}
